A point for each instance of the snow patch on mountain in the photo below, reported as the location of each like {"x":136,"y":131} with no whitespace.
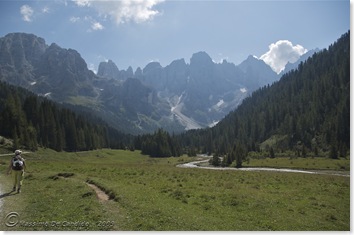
{"x":221,"y":102}
{"x":177,"y":104}
{"x":213,"y":123}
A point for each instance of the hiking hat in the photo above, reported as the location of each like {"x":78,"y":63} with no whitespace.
{"x":18,"y":152}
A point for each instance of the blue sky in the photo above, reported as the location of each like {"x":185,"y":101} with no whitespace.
{"x":137,"y":32}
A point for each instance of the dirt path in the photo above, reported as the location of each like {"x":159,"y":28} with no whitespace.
{"x":12,"y":154}
{"x":1,"y":199}
{"x":102,"y":196}
{"x":4,"y":194}
{"x":321,"y":172}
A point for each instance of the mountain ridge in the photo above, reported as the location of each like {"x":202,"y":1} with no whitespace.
{"x":304,"y":114}
{"x":177,"y":97}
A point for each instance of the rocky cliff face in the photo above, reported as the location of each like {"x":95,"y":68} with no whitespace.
{"x":258,"y":73}
{"x":20,"y":54}
{"x":27,"y":61}
{"x":62,"y":75}
{"x":176,"y":97}
{"x":108,"y":70}
{"x":201,"y":92}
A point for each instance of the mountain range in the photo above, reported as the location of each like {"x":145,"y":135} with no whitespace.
{"x":180,"y":96}
{"x":306,"y":113}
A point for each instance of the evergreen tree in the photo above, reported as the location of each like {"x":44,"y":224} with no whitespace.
{"x":31,"y":120}
{"x":240,"y":153}
{"x":215,"y":160}
{"x":309,"y":102}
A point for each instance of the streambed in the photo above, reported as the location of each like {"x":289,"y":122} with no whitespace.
{"x":202,"y":165}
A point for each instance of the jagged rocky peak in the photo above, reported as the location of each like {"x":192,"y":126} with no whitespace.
{"x":108,"y":70}
{"x":253,"y":62}
{"x":178,"y":63}
{"x":225,"y":64}
{"x":251,"y":59}
{"x":27,"y":41}
{"x":177,"y":67}
{"x":257,"y":72}
{"x":70,"y":59}
{"x":20,"y":48}
{"x":138,"y":73}
{"x":130,"y":71}
{"x":151,"y":66}
{"x":201,"y":58}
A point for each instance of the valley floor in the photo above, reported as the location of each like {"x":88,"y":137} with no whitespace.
{"x":149,"y":194}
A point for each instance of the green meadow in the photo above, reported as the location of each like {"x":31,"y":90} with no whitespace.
{"x":153,"y":194}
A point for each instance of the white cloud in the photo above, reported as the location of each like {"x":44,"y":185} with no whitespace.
{"x":82,"y":3}
{"x":282,"y":52}
{"x":97,"y":26}
{"x":45,"y":10}
{"x":26,"y":12}
{"x":91,"y":67}
{"x":74,"y":19}
{"x":220,"y":58}
{"x":123,"y":11}
{"x":243,"y":90}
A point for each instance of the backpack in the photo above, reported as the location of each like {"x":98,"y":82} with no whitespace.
{"x":17,"y":163}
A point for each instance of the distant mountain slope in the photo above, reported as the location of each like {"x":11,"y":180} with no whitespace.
{"x":31,"y":121}
{"x":27,"y":61}
{"x":201,"y":92}
{"x":258,"y":72}
{"x":290,"y":66}
{"x":308,"y":110}
{"x":62,"y":75}
{"x":178,"y":97}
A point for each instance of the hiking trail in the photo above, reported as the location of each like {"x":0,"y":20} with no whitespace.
{"x":102,"y":196}
{"x":196,"y":164}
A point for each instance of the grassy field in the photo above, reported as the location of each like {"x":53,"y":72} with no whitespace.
{"x":317,"y":163}
{"x":152,"y":194}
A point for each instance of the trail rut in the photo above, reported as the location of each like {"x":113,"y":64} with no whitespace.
{"x":102,"y":196}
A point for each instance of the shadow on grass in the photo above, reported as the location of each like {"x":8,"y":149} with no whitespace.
{"x":12,"y":193}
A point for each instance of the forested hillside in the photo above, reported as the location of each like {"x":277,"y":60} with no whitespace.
{"x":31,"y":120}
{"x":306,"y":112}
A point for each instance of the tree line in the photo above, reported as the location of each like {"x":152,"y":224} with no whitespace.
{"x":309,"y":108}
{"x":158,"y":144}
{"x":306,"y":112}
{"x":33,"y":121}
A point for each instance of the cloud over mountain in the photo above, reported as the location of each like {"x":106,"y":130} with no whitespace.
{"x":97,"y":26}
{"x":282,"y":52}
{"x":26,"y":12}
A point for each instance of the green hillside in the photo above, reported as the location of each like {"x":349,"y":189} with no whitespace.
{"x":33,"y":121}
{"x":306,"y":113}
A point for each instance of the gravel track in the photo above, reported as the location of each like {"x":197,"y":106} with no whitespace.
{"x":196,"y":164}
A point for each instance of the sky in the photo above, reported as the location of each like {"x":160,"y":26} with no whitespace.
{"x":136,"y":32}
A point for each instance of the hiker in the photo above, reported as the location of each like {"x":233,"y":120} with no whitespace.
{"x":17,"y":166}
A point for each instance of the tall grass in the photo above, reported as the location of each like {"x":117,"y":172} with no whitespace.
{"x":153,"y":194}
{"x":316,"y":163}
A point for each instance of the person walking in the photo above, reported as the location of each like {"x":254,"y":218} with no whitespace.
{"x":17,"y":166}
